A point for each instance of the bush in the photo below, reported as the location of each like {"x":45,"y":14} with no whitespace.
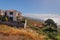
{"x":0,"y":17}
{"x":5,"y":18}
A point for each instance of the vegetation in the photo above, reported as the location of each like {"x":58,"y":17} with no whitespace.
{"x":0,"y":17}
{"x":6,"y":30}
{"x":4,"y":18}
{"x":50,"y":29}
{"x":58,"y":34}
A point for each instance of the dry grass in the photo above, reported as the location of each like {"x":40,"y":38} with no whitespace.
{"x":21,"y":32}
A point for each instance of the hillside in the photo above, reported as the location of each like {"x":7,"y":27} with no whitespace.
{"x":34,"y":22}
{"x":9,"y":33}
{"x":58,"y":26}
{"x":33,"y":30}
{"x":33,"y":19}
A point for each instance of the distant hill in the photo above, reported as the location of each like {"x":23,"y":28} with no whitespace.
{"x":58,"y":26}
{"x":34,"y":22}
{"x":34,"y":19}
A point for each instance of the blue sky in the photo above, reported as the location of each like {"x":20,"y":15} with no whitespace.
{"x":34,"y":8}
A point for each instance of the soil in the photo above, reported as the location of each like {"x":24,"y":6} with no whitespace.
{"x":14,"y":37}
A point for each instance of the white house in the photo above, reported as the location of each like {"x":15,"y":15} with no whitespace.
{"x":12,"y":14}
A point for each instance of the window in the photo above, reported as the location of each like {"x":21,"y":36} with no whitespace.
{"x":11,"y":13}
{"x":11,"y":18}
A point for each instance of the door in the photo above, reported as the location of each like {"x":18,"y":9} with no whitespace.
{"x":11,"y":18}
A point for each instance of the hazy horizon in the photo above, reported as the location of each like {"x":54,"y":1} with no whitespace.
{"x":55,"y":17}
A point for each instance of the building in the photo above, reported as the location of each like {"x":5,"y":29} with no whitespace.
{"x":12,"y":14}
{"x":1,"y":12}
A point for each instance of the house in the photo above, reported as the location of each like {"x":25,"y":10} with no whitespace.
{"x":12,"y":14}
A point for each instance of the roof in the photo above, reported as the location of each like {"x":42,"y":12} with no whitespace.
{"x":13,"y":11}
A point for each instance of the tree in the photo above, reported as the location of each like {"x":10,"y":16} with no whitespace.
{"x":5,"y":18}
{"x":0,"y":17}
{"x":51,"y":29}
{"x":50,"y":22}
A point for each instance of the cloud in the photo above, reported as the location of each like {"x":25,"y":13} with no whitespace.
{"x":55,"y":17}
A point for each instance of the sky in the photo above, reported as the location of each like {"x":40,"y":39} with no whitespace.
{"x":41,"y":9}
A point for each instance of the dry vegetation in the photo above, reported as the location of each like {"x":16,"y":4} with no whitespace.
{"x":9,"y":33}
